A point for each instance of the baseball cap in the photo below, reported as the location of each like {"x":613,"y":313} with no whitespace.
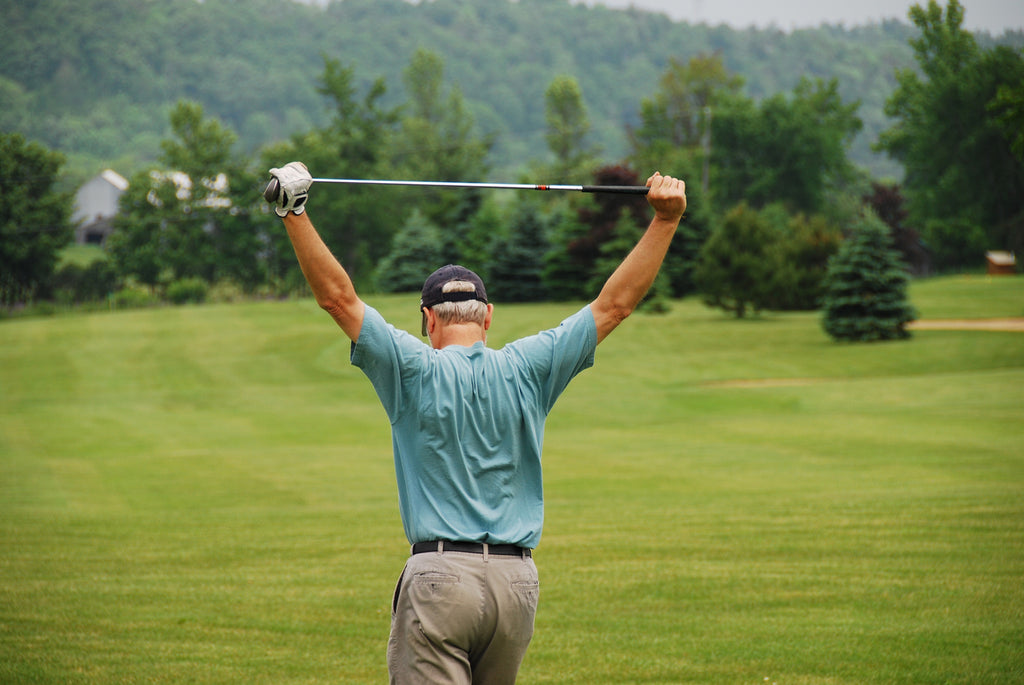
{"x":434,"y":291}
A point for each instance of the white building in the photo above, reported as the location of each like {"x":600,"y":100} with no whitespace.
{"x":96,"y":206}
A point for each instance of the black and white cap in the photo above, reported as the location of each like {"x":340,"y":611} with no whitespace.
{"x":434,"y":290}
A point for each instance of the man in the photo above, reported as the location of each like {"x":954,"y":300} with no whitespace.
{"x":467,"y":427}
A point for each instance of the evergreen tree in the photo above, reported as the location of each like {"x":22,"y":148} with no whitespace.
{"x":564,"y":269}
{"x":517,"y":258}
{"x":866,"y":287}
{"x":627,"y":234}
{"x":415,"y":254}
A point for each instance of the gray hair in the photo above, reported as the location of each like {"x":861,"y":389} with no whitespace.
{"x":468,"y":311}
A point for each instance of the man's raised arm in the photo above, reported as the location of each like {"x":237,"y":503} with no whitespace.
{"x":626,"y":287}
{"x":330,"y":283}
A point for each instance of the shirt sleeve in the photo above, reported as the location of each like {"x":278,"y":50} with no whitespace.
{"x":554,"y":357}
{"x":384,"y":353}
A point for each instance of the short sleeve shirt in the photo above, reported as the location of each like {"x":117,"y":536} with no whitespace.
{"x":467,"y":425}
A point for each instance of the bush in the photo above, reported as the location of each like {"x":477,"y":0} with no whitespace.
{"x":191,"y":290}
{"x":226,"y":291}
{"x":134,"y":296}
{"x":75,"y":283}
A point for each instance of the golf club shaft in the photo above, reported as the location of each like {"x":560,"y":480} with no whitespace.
{"x":629,"y":190}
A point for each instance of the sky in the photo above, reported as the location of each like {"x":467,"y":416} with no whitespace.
{"x":994,"y":16}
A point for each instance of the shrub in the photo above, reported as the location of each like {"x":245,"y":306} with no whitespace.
{"x":75,"y":283}
{"x":134,"y":296}
{"x":190,"y":290}
{"x":226,"y":290}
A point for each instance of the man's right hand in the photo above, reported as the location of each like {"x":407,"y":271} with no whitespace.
{"x":293,"y":181}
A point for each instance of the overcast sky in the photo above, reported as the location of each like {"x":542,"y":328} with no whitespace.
{"x":994,"y":16}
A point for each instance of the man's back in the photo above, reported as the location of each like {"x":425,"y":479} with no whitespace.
{"x":468,"y":426}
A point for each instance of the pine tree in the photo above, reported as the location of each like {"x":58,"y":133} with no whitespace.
{"x":866,"y":287}
{"x":517,"y":263}
{"x":415,"y":253}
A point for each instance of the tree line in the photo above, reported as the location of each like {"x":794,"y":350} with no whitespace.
{"x":96,"y":79}
{"x":772,"y":187}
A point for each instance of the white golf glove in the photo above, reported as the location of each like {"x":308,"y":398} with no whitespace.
{"x":294,"y":180}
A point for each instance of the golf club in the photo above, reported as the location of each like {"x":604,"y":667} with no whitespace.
{"x":271,"y":192}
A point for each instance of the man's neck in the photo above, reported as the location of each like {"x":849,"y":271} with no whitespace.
{"x":464,"y":335}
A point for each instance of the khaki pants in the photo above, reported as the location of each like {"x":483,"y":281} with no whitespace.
{"x":462,"y":618}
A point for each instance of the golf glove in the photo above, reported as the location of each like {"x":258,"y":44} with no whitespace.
{"x":294,"y":180}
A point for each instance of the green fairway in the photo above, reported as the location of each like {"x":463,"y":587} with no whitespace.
{"x":206,"y":495}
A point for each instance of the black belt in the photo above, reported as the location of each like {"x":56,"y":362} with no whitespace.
{"x":471,"y":547}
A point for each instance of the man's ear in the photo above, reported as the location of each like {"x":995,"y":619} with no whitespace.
{"x":490,"y":314}
{"x":430,"y":320}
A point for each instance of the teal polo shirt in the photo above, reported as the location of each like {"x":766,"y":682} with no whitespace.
{"x":467,"y":425}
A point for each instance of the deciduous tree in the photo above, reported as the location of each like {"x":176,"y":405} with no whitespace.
{"x":34,"y":218}
{"x":787,"y":148}
{"x":568,"y":128}
{"x":955,"y":135}
{"x":735,"y":267}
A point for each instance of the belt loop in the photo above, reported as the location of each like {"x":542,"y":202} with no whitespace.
{"x":440,"y":546}
{"x":486,"y":547}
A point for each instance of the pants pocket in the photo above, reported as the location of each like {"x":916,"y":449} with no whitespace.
{"x":398,"y":590}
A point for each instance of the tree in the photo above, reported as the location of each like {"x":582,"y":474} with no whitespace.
{"x":866,"y":287}
{"x":565,"y":270}
{"x":735,"y":266}
{"x":567,"y":130}
{"x":788,"y":149}
{"x":886,"y":201}
{"x":516,"y":266}
{"x":676,"y":123}
{"x":195,"y":216}
{"x":34,"y":218}
{"x":580,"y":240}
{"x":804,"y":244}
{"x":437,"y":141}
{"x":954,"y":134}
{"x":626,"y":235}
{"x":1008,"y":108}
{"x":415,"y":253}
{"x":361,"y":221}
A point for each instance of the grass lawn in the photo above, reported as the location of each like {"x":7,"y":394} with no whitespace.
{"x":206,"y":495}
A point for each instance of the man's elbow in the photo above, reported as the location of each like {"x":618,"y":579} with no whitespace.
{"x":335,"y":303}
{"x":608,"y":318}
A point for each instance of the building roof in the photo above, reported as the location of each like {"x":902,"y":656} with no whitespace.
{"x":1001,"y":258}
{"x":115,"y":179}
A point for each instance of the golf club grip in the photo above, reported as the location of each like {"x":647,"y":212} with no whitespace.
{"x":622,"y":190}
{"x":272,"y":190}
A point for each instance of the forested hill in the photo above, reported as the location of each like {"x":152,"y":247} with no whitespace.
{"x":96,"y":78}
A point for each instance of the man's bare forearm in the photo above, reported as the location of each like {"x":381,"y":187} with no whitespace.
{"x":331,"y":285}
{"x":626,"y":287}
